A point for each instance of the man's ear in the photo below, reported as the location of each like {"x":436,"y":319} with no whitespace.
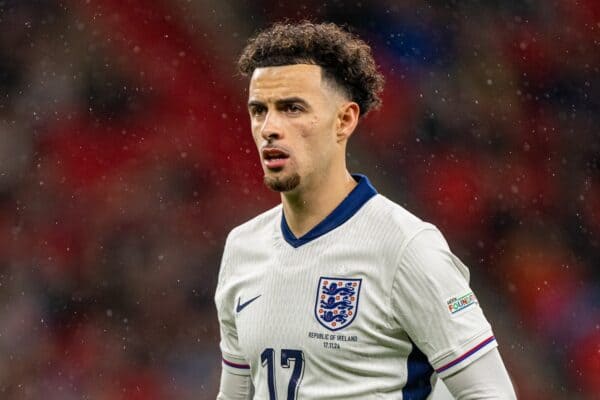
{"x":347,"y":119}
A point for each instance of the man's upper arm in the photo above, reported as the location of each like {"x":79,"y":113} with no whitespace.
{"x":433,"y":303}
{"x":233,"y":358}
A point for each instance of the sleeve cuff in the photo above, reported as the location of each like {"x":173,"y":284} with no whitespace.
{"x":236,"y":366}
{"x":465,"y":355}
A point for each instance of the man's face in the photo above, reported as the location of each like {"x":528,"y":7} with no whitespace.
{"x":293,"y":116}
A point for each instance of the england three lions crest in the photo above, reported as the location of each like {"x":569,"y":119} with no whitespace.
{"x":336,"y":305}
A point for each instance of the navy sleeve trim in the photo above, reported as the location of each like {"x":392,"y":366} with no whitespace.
{"x":466,"y":355}
{"x":235,"y":365}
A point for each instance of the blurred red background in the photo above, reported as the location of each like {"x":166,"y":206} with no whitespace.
{"x":126,"y":157}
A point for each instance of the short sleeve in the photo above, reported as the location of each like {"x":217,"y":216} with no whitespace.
{"x":433,"y":303}
{"x":233,"y":358}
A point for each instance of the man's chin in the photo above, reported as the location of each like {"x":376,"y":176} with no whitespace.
{"x":282,"y":183}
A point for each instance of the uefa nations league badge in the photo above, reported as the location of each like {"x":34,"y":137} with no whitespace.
{"x":336,"y":305}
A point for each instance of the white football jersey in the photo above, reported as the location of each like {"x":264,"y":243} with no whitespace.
{"x":370,"y":304}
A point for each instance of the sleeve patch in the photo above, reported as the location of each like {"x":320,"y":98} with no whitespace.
{"x":458,"y":303}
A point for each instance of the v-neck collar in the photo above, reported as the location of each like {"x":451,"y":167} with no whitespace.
{"x":342,"y":213}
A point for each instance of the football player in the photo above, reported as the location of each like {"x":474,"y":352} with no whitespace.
{"x":338,"y":292}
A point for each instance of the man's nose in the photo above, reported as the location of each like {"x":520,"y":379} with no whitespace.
{"x":271,"y":127}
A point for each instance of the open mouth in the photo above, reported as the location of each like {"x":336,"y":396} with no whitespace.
{"x":274,"y":158}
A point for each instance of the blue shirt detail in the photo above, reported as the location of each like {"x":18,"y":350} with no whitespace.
{"x":342,"y":213}
{"x":418,"y":381}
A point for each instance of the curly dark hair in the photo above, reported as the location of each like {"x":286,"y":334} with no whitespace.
{"x":345,"y":59}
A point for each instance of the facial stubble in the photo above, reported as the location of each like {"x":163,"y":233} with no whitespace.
{"x":282,"y":184}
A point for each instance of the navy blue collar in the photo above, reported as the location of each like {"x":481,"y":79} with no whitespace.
{"x":342,"y":213}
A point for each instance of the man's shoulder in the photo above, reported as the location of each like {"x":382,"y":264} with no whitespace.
{"x":393,"y":225}
{"x":385,"y":212}
{"x":257,"y":226}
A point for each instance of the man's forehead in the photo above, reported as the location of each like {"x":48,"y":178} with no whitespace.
{"x":285,"y":80}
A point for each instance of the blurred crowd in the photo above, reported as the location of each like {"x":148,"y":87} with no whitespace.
{"x":126,"y":157}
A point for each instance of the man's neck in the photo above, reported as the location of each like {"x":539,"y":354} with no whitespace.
{"x":307,"y":208}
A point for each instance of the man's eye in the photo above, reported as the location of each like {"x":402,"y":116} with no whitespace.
{"x":293,"y":108}
{"x":255,"y":111}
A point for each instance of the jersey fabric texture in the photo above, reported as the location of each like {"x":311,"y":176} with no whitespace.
{"x":370,"y":304}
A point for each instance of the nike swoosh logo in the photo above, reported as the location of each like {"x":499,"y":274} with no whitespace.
{"x":240,"y":307}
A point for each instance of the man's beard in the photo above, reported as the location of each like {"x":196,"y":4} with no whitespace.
{"x":282,"y":184}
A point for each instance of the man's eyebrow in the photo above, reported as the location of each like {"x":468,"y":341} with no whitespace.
{"x":255,"y":103}
{"x":280,"y":102}
{"x":289,"y":100}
